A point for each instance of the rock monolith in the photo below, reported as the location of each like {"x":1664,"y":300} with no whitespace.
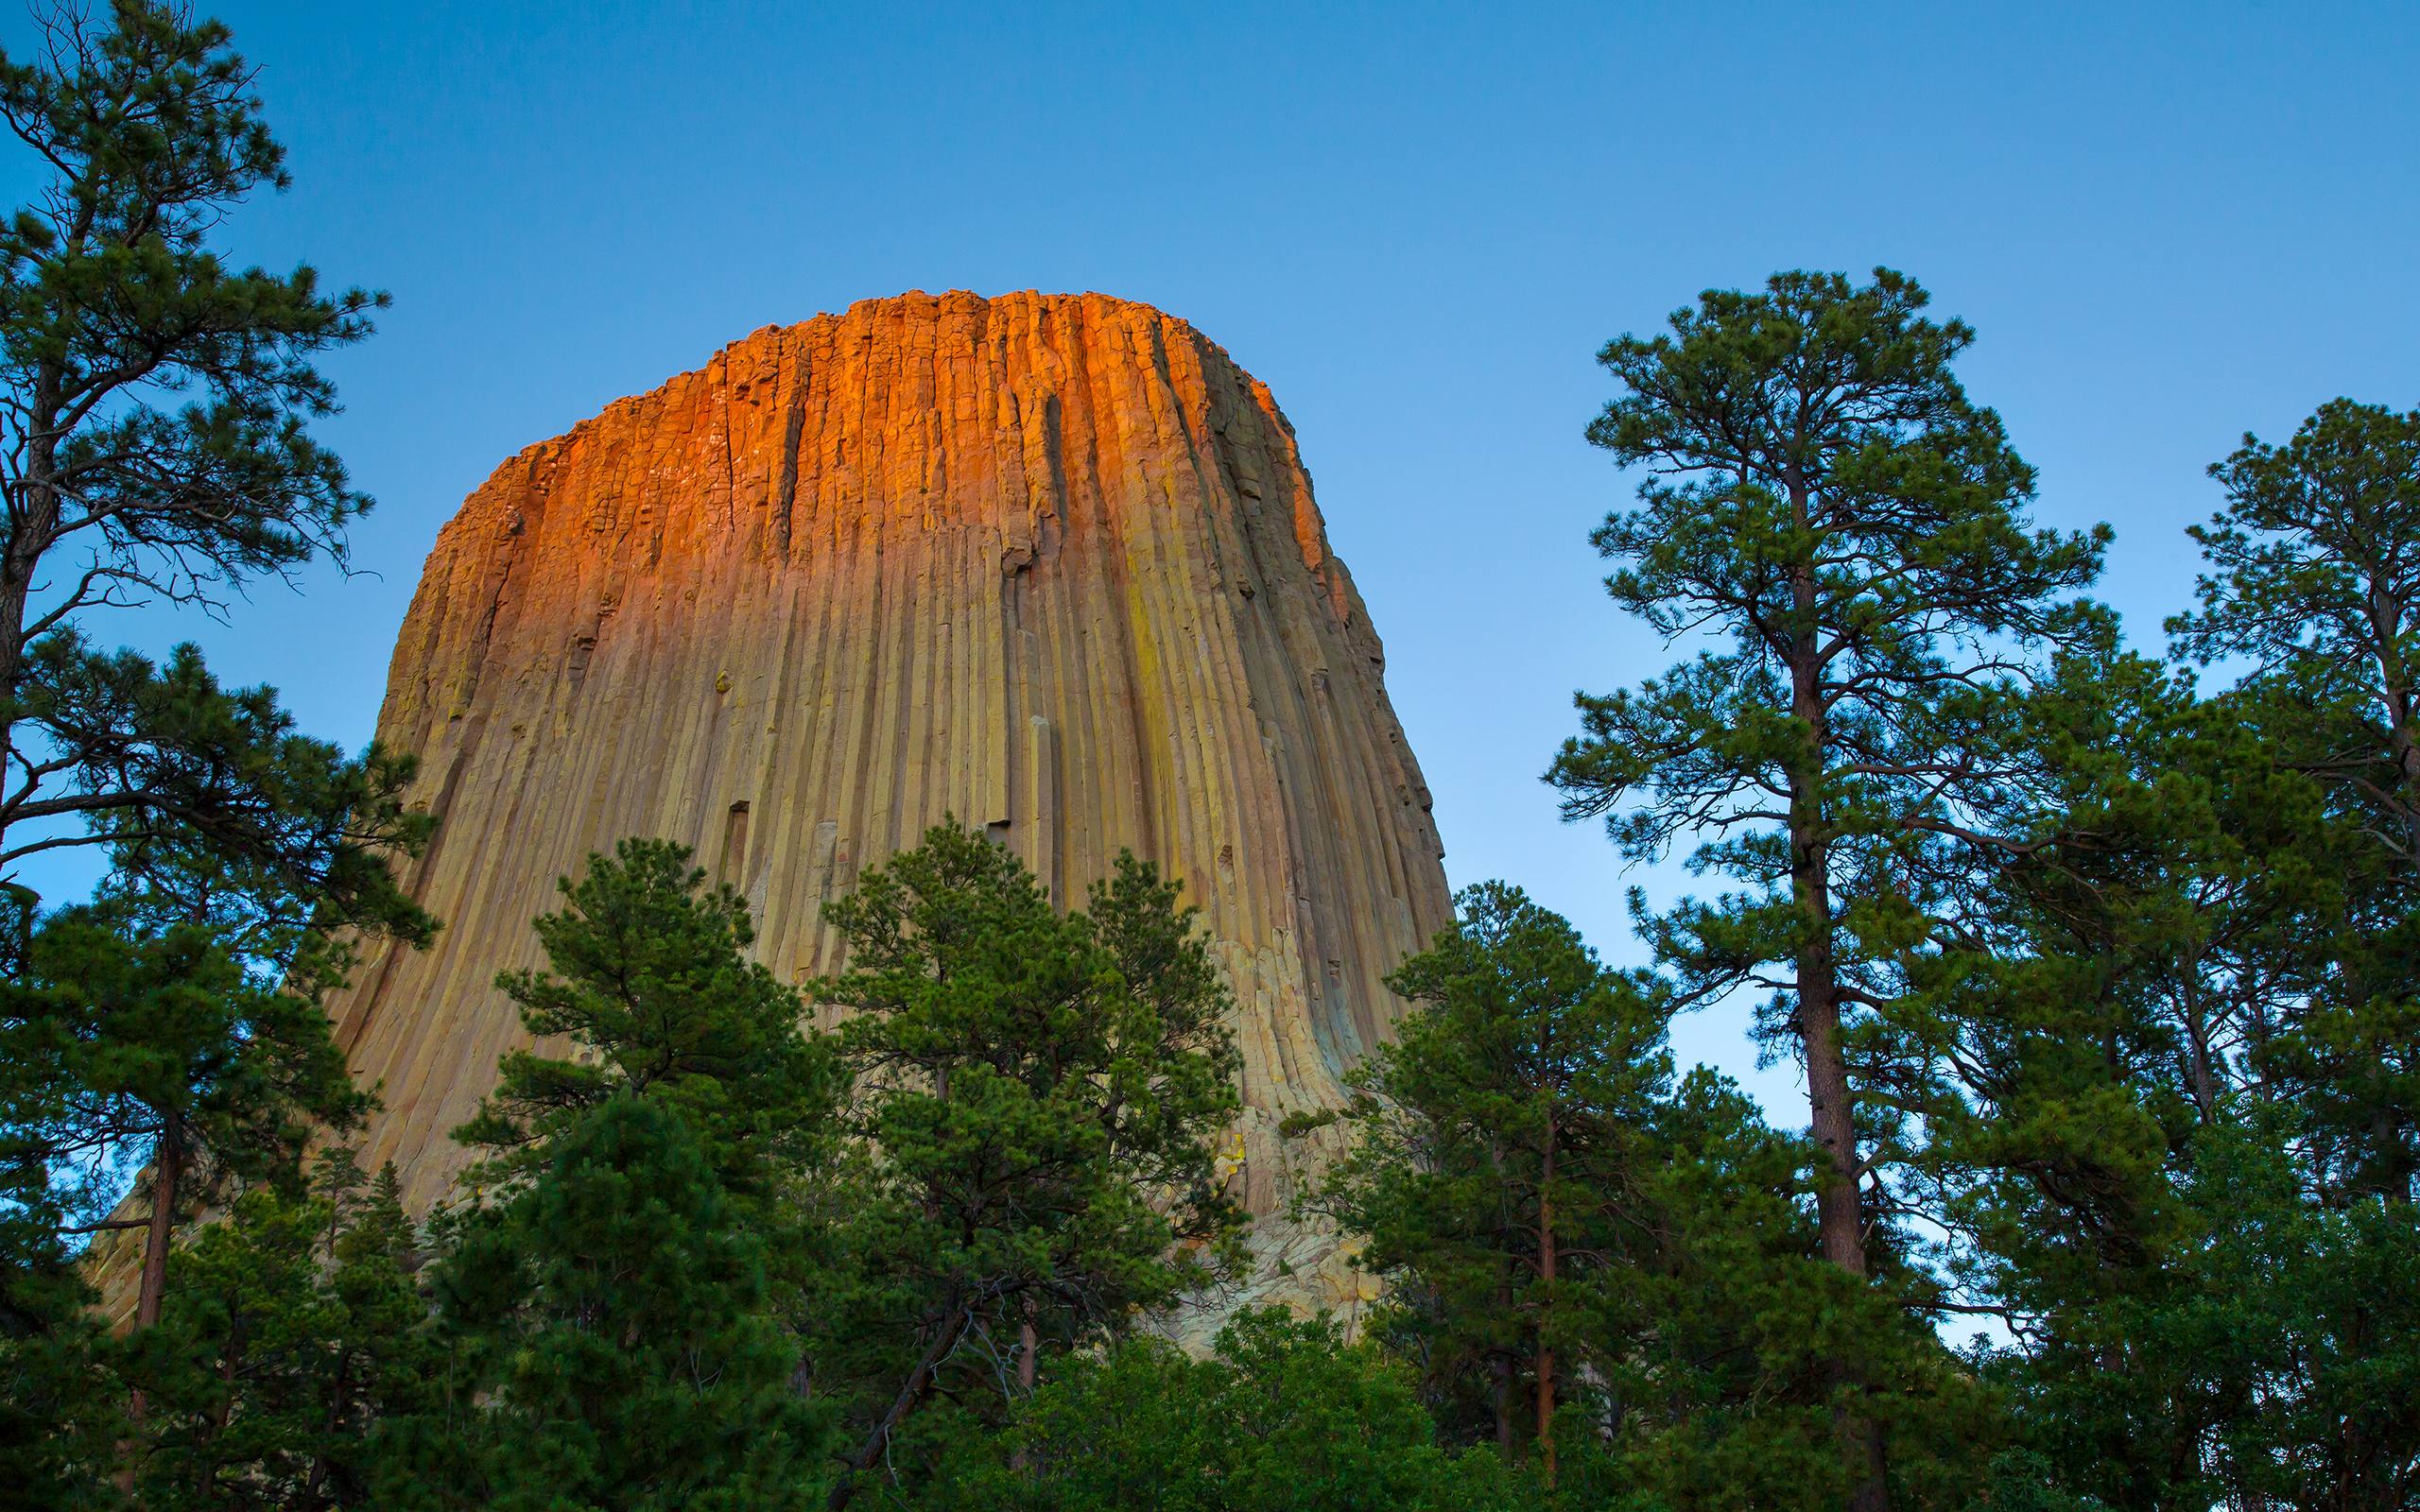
{"x":1047,"y":563}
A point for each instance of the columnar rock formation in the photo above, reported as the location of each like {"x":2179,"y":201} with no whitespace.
{"x":1049,"y":565}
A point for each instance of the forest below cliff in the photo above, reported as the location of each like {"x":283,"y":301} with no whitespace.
{"x":2102,"y":965}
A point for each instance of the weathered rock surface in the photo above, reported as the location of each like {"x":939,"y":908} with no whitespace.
{"x":1048,"y":564}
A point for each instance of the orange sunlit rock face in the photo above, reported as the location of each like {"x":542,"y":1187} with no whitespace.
{"x":1048,"y":564}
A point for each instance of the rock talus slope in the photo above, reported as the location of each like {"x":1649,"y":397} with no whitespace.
{"x":1048,"y":564}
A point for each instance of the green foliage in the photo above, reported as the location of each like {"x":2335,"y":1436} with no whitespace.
{"x":293,"y":1332}
{"x":1493,"y":1136}
{"x":2267,"y":1349}
{"x":121,"y":1034}
{"x":123,"y":1039}
{"x":612,"y":1339}
{"x":2148,"y":1167}
{"x":154,"y":446}
{"x":62,"y":1407}
{"x":113,"y":307}
{"x":648,"y":977}
{"x":2315,"y":584}
{"x":1721,"y":1331}
{"x":1823,"y":500}
{"x":176,"y":1020}
{"x":277,"y":841}
{"x":1283,"y":1417}
{"x":1690,"y":1322}
{"x":609,"y":1309}
{"x":1821,"y":494}
{"x":611,"y":1304}
{"x":1039,"y":1095}
{"x":242,"y":853}
{"x":2315,"y":581}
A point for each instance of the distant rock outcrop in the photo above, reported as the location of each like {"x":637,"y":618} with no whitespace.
{"x":1050,"y":563}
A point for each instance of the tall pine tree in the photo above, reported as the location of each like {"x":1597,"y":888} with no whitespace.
{"x":1492,"y":1134}
{"x":294,"y":1331}
{"x":612,"y":1299}
{"x":1823,"y":501}
{"x":2314,"y":582}
{"x":157,"y":448}
{"x":649,"y":973}
{"x":1039,"y":1095}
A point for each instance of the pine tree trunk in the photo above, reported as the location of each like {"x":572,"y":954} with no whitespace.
{"x":1029,"y":1350}
{"x":2408,"y":757}
{"x":2402,"y":719}
{"x":1545,"y":1314}
{"x":1839,"y":1222}
{"x":1029,"y":1359}
{"x":1501,"y":1367}
{"x":2200,"y":1068}
{"x":2403,"y":744}
{"x":35,"y":510}
{"x":1832,"y":1112}
{"x":333,"y":1425}
{"x":167,"y":1171}
{"x":13,"y":591}
{"x":911,"y":1395}
{"x":1502,"y":1361}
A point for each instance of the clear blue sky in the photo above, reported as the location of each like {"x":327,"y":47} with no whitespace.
{"x":2168,"y":223}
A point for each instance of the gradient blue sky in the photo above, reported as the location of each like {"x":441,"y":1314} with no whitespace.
{"x":2168,"y":223}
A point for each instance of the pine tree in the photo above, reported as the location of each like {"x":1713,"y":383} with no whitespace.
{"x":2202,"y":1300}
{"x":115,"y":307}
{"x":1038,"y":1095}
{"x":2314,"y":580}
{"x":611,"y":1298}
{"x":2076,"y":1030}
{"x":2315,"y":577}
{"x":1562,"y":1223}
{"x":156,"y":448}
{"x":1823,"y":499}
{"x":647,"y":974}
{"x":1491,"y":1132}
{"x":122,"y":1041}
{"x":613,"y":1337}
{"x":294,"y":1331}
{"x":63,"y":1406}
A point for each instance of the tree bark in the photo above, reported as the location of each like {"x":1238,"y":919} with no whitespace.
{"x":1832,"y":1112}
{"x":2386,"y":611}
{"x":911,"y":1395}
{"x":36,"y":519}
{"x":167,"y":1170}
{"x":2199,"y":1067}
{"x":1545,"y":1306}
{"x":2407,"y":755}
{"x":1502,"y":1368}
{"x":1028,"y":1363}
{"x":1029,"y":1349}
